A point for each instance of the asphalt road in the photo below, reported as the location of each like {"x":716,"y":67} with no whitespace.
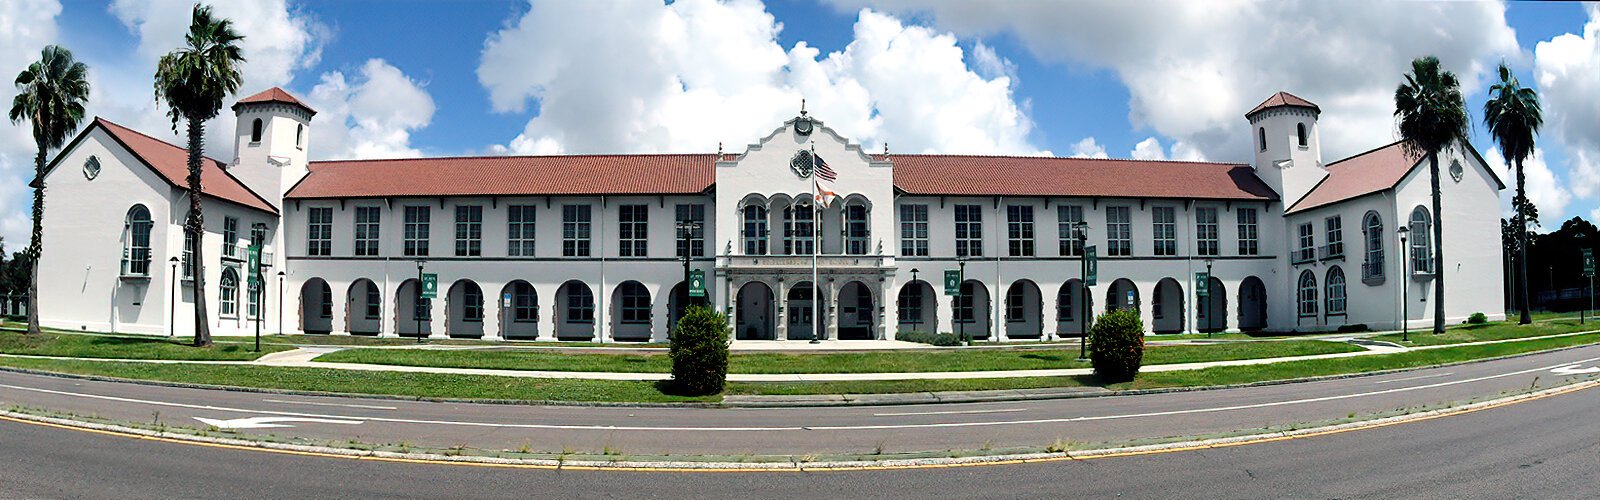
{"x":801,"y":431}
{"x":1545,"y":448}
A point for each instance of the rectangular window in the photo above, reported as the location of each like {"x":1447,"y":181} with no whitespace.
{"x":472,"y":306}
{"x":229,"y":292}
{"x":914,"y":231}
{"x":422,"y":308}
{"x":635,"y":308}
{"x":580,"y":307}
{"x":519,"y":230}
{"x":575,"y":230}
{"x":799,"y":230}
{"x":755,"y":230}
{"x":319,"y":231}
{"x":367,"y":231}
{"x":1335,"y":231}
{"x":1019,"y":230}
{"x":230,"y":236}
{"x":188,"y":255}
{"x":1165,"y":228}
{"x":1067,"y":219}
{"x":1249,"y":243}
{"x":1119,"y":231}
{"x":258,"y":235}
{"x":856,"y":232}
{"x":692,"y":213}
{"x":374,"y":302}
{"x":253,"y":310}
{"x":1064,"y":306}
{"x":469,"y":230}
{"x":633,"y":224}
{"x":969,"y":230}
{"x":910,"y":305}
{"x":963,"y":310}
{"x":1205,"y":228}
{"x":416,"y":234}
{"x":525,"y":308}
{"x":1016,"y":305}
{"x":1308,"y":244}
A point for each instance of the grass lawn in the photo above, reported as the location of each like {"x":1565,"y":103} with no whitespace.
{"x":359,"y":340}
{"x":131,"y":347}
{"x":1457,"y":334}
{"x":842,"y":362}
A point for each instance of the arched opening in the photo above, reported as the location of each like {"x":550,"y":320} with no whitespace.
{"x":917,"y":307}
{"x":136,"y":243}
{"x":316,"y":306}
{"x":228,"y":294}
{"x":1122,"y":294}
{"x":363,"y":309}
{"x":521,"y":321}
{"x":413,"y":315}
{"x":857,"y":312}
{"x":1024,"y":310}
{"x":802,"y":312}
{"x":756,"y":313}
{"x":1306,"y":294}
{"x":1261,"y":137}
{"x":630,"y":313}
{"x":677,"y":304}
{"x":857,"y":229}
{"x":575,"y":311}
{"x":465,"y":313}
{"x":1252,"y":304}
{"x":1335,"y":294}
{"x":755,"y":230}
{"x":1072,"y":302}
{"x":255,"y":130}
{"x":1372,"y":230}
{"x":300,"y":136}
{"x":1166,"y":307}
{"x":1421,"y":241}
{"x":1300,"y":132}
{"x":1212,"y":315}
{"x":972,"y":316}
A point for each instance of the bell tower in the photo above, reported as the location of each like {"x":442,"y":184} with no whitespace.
{"x":269,"y":150}
{"x":1288,"y":155}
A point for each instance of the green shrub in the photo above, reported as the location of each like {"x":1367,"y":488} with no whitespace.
{"x":1477,"y":319}
{"x":699,"y":352}
{"x":1356,"y":328}
{"x":944,"y":339}
{"x":1116,"y":345}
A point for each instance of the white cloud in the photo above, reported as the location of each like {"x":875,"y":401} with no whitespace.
{"x":1567,"y":68}
{"x":369,"y":116}
{"x":1547,"y":192}
{"x":1193,"y":68}
{"x":25,"y":27}
{"x":1088,"y":148}
{"x":1148,"y":149}
{"x":625,"y":77}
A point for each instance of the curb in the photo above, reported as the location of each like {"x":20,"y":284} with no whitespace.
{"x":792,"y":466}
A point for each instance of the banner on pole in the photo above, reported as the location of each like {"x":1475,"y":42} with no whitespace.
{"x":952,"y":282}
{"x":1091,"y":274}
{"x":430,"y":285}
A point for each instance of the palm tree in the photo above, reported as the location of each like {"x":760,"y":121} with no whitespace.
{"x":193,"y":80}
{"x":1432,"y":114}
{"x":51,"y":95}
{"x":1514,"y":117}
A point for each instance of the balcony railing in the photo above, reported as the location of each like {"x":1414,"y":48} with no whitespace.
{"x":1331,"y":251}
{"x":803,"y":261}
{"x":1303,"y":255}
{"x":1372,"y":272}
{"x":242,"y":253}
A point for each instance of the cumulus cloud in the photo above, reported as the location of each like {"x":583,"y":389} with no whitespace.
{"x":1545,"y":190}
{"x":369,"y":115}
{"x":1088,"y":148}
{"x":1567,"y":68}
{"x":625,"y":77}
{"x":25,"y":27}
{"x":1151,"y":149}
{"x":1193,"y":68}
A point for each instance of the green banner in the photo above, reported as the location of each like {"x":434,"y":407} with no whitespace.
{"x":697,"y":283}
{"x":1588,"y":262}
{"x":255,"y":264}
{"x":1091,"y":273}
{"x":952,"y":282}
{"x":430,"y":285}
{"x":1202,"y":284}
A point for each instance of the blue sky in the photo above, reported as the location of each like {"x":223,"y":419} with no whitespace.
{"x":417,"y":78}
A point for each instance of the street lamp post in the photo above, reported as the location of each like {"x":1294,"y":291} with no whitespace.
{"x":1405,"y":286}
{"x":1584,"y":312}
{"x":686,"y":229}
{"x":918,"y":323}
{"x":961,"y":295}
{"x":1082,"y":230}
{"x":172,"y":306}
{"x":1206,"y":301}
{"x":280,"y":302}
{"x":417,"y":306}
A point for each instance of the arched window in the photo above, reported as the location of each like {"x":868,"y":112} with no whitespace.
{"x":525,"y":303}
{"x":1421,"y":241}
{"x":799,"y":230}
{"x":856,"y":229}
{"x":472,"y":303}
{"x":229,"y":288}
{"x":136,"y":244}
{"x":1261,"y":137}
{"x":1372,"y":229}
{"x":300,"y":136}
{"x":755,"y":230}
{"x":580,"y":304}
{"x":253,"y":288}
{"x":1336,"y":296}
{"x":1300,"y":130}
{"x":1308,"y":294}
{"x":635,"y":303}
{"x":255,"y":130}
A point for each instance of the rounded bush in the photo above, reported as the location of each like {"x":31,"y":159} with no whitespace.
{"x":1477,"y":318}
{"x":1116,"y":345}
{"x":942,"y":339}
{"x":699,"y":352}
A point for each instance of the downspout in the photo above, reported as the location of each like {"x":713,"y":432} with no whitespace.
{"x":1191,"y":313}
{"x":601,"y":320}
{"x":1000,"y":288}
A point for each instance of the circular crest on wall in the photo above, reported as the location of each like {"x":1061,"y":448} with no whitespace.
{"x":801,"y":163}
{"x":91,"y":167}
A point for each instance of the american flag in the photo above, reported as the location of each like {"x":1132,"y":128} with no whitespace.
{"x":823,"y":170}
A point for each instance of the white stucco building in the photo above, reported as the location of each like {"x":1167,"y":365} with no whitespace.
{"x":586,"y":247}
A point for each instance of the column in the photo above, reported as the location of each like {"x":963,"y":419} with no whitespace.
{"x":1231,"y":304}
{"x":1048,"y":320}
{"x":494,"y":312}
{"x":438,"y":308}
{"x":780,"y":321}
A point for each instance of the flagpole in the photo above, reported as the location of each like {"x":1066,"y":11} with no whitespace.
{"x":816,"y":245}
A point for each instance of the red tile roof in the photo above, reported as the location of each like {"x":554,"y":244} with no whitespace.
{"x":1282,"y":99}
{"x":693,"y":173}
{"x":509,"y":175}
{"x":274,"y":94}
{"x":1366,"y":173}
{"x":171,"y":163}
{"x":1047,"y":176}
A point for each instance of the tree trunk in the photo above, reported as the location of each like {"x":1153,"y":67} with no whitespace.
{"x":1522,"y":248}
{"x":1438,"y":248}
{"x":195,"y":225}
{"x":36,"y":244}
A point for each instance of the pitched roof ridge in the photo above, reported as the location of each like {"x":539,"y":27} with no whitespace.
{"x":488,"y":157}
{"x":153,"y":138}
{"x":1364,"y":153}
{"x":1031,"y":157}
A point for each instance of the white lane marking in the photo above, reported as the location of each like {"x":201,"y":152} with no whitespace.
{"x":953,"y":412}
{"x":804,"y":428}
{"x":266,"y":422}
{"x":1445,"y":374}
{"x":1573,"y":369}
{"x":315,"y":403}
